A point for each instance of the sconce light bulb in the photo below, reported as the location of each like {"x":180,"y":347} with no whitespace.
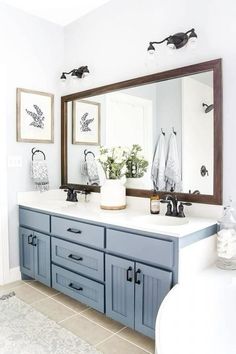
{"x":192,"y":39}
{"x":85,"y":71}
{"x":151,"y":49}
{"x":63,"y":77}
{"x":74,"y":76}
{"x":171,"y":45}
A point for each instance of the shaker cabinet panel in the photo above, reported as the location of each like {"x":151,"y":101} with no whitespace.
{"x":79,"y":288}
{"x":26,"y":252}
{"x":34,"y":220}
{"x":120,"y":290}
{"x":42,"y":258}
{"x":151,"y":286}
{"x":147,"y":249}
{"x":77,"y":231}
{"x":78,"y":258}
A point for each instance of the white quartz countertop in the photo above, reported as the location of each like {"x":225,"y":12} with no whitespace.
{"x":136,"y":216}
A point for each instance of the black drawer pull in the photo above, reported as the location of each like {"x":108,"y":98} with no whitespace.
{"x":75,"y":258}
{"x":30,"y":239}
{"x":74,"y":231}
{"x":137,"y":281}
{"x":34,"y":239}
{"x":71,"y":285}
{"x":128,"y":276}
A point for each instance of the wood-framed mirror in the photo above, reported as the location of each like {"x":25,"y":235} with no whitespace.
{"x":186,"y":101}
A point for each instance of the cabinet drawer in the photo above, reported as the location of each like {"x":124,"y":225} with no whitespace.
{"x":78,"y":258}
{"x":34,"y":220}
{"x":78,"y":231}
{"x":144,"y":248}
{"x":80,"y":288}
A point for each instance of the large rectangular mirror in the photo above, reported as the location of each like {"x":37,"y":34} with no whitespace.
{"x":174,"y":117}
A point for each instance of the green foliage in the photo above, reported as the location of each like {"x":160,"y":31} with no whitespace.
{"x":136,"y":164}
{"x":118,"y":162}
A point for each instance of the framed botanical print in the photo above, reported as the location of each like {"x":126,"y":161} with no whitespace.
{"x":34,"y":116}
{"x":86,"y":122}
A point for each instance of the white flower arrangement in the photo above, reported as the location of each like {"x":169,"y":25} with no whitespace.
{"x":121,"y":161}
{"x":113,"y":161}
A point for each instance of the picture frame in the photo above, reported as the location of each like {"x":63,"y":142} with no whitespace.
{"x":86,"y":122}
{"x":34,"y":116}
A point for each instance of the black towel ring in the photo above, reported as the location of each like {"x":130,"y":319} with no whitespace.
{"x":35,"y":151}
{"x":86,"y":152}
{"x":173,"y":130}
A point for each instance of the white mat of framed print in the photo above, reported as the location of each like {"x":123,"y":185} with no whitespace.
{"x":35,"y":116}
{"x":86,"y":122}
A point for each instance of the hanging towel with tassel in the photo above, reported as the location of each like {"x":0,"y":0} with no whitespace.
{"x":92,"y":171}
{"x":40,"y":175}
{"x":172,"y":171}
{"x":158,"y":165}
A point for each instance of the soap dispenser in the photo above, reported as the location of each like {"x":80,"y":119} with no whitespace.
{"x":226,"y":239}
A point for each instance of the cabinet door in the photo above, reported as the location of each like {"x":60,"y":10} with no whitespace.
{"x":26,"y":252}
{"x":42,"y":255}
{"x":120,"y":290}
{"x":151,"y":286}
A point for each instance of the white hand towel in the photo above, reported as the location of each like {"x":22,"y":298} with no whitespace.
{"x":172,"y":171}
{"x":40,"y":175}
{"x":158,"y":165}
{"x":92,"y":171}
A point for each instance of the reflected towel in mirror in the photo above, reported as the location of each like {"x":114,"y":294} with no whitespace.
{"x":92,"y":172}
{"x":158,"y":165}
{"x":172,"y":171}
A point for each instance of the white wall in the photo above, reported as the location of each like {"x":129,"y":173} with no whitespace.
{"x":32,"y":58}
{"x":112,"y":41}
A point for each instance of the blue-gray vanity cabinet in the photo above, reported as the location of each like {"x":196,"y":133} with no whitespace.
{"x":134,"y":293}
{"x":78,"y":287}
{"x":26,"y":252}
{"x":78,"y":258}
{"x":42,"y":258}
{"x":120,"y":290}
{"x":34,"y":220}
{"x":146,"y":249}
{"x":76,"y":231}
{"x":151,"y":286}
{"x":35,"y":255}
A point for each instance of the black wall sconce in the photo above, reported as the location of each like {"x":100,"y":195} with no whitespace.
{"x":209,"y":107}
{"x":177,"y":41}
{"x":76,"y":73}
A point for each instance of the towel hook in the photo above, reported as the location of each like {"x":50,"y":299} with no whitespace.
{"x":35,"y":151}
{"x":162,"y":132}
{"x":173,"y":130}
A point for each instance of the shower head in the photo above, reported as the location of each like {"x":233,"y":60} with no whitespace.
{"x":208,"y":107}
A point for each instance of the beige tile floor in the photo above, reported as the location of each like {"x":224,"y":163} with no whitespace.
{"x":108,"y":336}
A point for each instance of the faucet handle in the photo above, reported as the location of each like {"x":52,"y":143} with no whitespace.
{"x":181,"y":209}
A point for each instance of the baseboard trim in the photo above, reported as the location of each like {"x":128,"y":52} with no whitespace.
{"x":14,"y":275}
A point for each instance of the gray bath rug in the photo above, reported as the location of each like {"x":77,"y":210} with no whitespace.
{"x":23,"y":330}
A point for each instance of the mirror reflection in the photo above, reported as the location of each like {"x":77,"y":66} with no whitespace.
{"x":167,"y":125}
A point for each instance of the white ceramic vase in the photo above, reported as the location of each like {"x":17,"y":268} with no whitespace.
{"x":113,"y":194}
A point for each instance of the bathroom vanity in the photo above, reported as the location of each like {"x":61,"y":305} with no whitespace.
{"x":120,"y":263}
{"x":124,"y":263}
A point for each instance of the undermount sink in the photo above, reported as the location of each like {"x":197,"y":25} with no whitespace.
{"x":160,"y":220}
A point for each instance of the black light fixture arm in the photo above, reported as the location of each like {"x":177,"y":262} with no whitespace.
{"x":166,"y":39}
{"x":70,"y":72}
